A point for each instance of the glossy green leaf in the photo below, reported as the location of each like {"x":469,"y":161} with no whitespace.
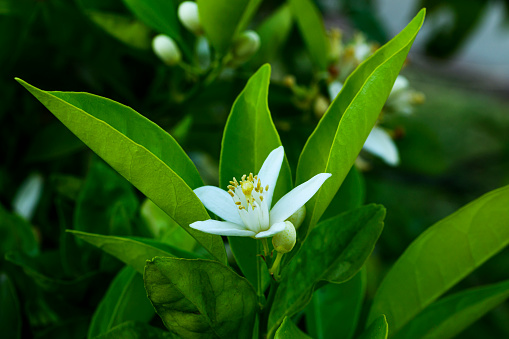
{"x":161,"y":15}
{"x":288,"y":330}
{"x":133,"y":251}
{"x":310,"y":22}
{"x":449,"y":316}
{"x":335,"y":251}
{"x":125,"y":300}
{"x":337,"y":140}
{"x":136,"y":330}
{"x":441,"y":256}
{"x":273,"y":33}
{"x":140,"y":151}
{"x":222,"y":20}
{"x":201,"y":298}
{"x":336,"y":301}
{"x":379,"y":329}
{"x":10,"y":321}
{"x":249,"y":137}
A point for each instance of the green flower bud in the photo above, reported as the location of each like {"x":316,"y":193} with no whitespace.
{"x":298,"y":217}
{"x":284,"y":241}
{"x":166,"y":49}
{"x":246,"y":45}
{"x":188,"y":16}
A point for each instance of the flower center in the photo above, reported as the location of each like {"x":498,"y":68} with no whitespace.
{"x":248,"y":196}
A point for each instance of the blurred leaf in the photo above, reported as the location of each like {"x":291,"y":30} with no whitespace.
{"x":75,"y":327}
{"x":125,"y":300}
{"x":333,"y":302}
{"x":377,"y":330}
{"x":249,"y":137}
{"x":161,"y":15}
{"x":310,"y":22}
{"x":288,"y":330}
{"x":140,"y":151}
{"x":449,"y":316}
{"x":337,"y":140}
{"x":200,"y":298}
{"x":136,"y":330}
{"x":10,"y":321}
{"x":133,"y":251}
{"x":335,"y":251}
{"x":16,"y":234}
{"x":222,"y":20}
{"x":443,"y":255}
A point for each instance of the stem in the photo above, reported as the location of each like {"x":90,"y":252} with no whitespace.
{"x":265,"y":247}
{"x":275,"y":267}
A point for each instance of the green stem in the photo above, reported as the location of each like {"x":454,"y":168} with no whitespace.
{"x":275,"y":267}
{"x":265,"y":247}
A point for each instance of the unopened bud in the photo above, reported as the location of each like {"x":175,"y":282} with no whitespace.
{"x":298,"y":217}
{"x":188,"y":16}
{"x":166,"y":49}
{"x":246,"y":45}
{"x":320,"y":106}
{"x":336,"y":45}
{"x":284,"y":241}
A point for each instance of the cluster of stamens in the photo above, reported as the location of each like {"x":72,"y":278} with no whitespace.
{"x":246,"y":185}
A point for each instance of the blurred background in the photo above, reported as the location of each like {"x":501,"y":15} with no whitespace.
{"x":453,"y":146}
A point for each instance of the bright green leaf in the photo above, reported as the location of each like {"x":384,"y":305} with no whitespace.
{"x":125,"y":300}
{"x":337,"y":140}
{"x":335,"y":251}
{"x":441,"y":256}
{"x":379,"y":329}
{"x":249,"y":137}
{"x":133,"y":251}
{"x":10,"y":321}
{"x":288,"y":330}
{"x":140,"y":151}
{"x":201,"y":298}
{"x":449,"y":316}
{"x":310,"y":22}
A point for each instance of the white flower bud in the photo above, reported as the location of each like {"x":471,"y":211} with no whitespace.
{"x":188,"y":16}
{"x":284,"y":241}
{"x":246,"y":45}
{"x":298,"y":217}
{"x":166,"y":49}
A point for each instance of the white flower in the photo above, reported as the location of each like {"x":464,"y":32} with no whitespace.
{"x":166,"y":49}
{"x":189,"y":17}
{"x":245,"y":208}
{"x":380,"y":143}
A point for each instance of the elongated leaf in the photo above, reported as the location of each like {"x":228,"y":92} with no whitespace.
{"x":161,"y":15}
{"x":200,"y":298}
{"x":223,"y":19}
{"x":337,"y":140}
{"x":140,"y":151}
{"x":288,"y":330}
{"x":333,"y":302}
{"x":310,"y":22}
{"x":133,"y":251}
{"x":335,"y":251}
{"x":125,"y":300}
{"x":451,"y":315}
{"x":443,"y":255}
{"x":379,"y":329}
{"x":136,"y":330}
{"x":10,"y":321}
{"x":249,"y":137}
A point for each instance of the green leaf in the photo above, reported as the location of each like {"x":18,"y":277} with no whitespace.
{"x":441,"y":256}
{"x":133,"y":251}
{"x":337,"y":140}
{"x":140,"y":151}
{"x":379,"y":329}
{"x":249,"y":137}
{"x":136,"y":330}
{"x":223,"y":20}
{"x":10,"y":321}
{"x":125,"y":300}
{"x":200,"y":298}
{"x":333,"y":302}
{"x":335,"y":251}
{"x":161,"y":15}
{"x":16,"y":234}
{"x":288,"y":330}
{"x":310,"y":22}
{"x":449,"y":316}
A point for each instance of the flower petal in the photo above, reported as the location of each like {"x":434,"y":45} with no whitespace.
{"x":273,"y":230}
{"x":221,"y":228}
{"x":270,"y":172}
{"x":380,"y":143}
{"x":219,"y":202}
{"x":296,"y":198}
